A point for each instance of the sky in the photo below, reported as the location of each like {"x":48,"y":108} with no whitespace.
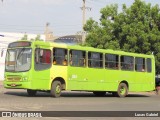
{"x":64,"y":16}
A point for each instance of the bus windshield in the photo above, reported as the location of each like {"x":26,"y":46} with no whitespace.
{"x":18,"y":59}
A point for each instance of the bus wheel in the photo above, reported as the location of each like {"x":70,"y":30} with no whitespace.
{"x":122,"y":90}
{"x":99,"y":93}
{"x":56,"y":89}
{"x":31,"y":92}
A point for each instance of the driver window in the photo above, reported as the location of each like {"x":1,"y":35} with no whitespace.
{"x":42,"y":59}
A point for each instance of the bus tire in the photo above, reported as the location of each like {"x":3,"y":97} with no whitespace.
{"x":122,"y":90}
{"x":31,"y":92}
{"x":99,"y":93}
{"x":56,"y":89}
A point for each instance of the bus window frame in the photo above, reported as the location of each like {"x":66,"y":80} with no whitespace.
{"x":38,"y":66}
{"x":128,"y":66}
{"x":101,"y":66}
{"x":117,"y":63}
{"x":84,"y":59}
{"x":143,"y":66}
{"x":64,"y":62}
{"x":147,"y":65}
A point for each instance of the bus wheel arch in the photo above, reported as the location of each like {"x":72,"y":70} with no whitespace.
{"x":123,"y":89}
{"x":124,"y":81}
{"x":58,"y":84}
{"x":63,"y":83}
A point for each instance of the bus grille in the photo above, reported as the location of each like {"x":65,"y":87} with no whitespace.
{"x":14,"y":78}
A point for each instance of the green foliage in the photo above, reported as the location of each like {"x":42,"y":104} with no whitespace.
{"x":38,"y":37}
{"x":135,"y":29}
{"x":25,"y":37}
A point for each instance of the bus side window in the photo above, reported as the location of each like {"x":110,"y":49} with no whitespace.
{"x":149,"y":65}
{"x":127,"y":63}
{"x":112,"y":61}
{"x":77,"y":58}
{"x":43,"y":56}
{"x":42,"y":59}
{"x":140,"y":64}
{"x":60,"y":56}
{"x":95,"y":60}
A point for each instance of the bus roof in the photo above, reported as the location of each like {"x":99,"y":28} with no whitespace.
{"x":85,"y":48}
{"x":78,"y":47}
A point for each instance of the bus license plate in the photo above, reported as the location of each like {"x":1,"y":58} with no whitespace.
{"x":13,"y":85}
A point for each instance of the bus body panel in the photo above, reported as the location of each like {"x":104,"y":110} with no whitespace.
{"x":81,"y":78}
{"x":58,"y":72}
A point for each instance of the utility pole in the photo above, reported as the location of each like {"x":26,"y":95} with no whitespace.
{"x":48,"y":34}
{"x":84,"y":19}
{"x":46,"y":31}
{"x":84,"y":13}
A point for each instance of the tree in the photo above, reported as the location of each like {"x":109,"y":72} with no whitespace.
{"x":25,"y":37}
{"x":100,"y":35}
{"x":135,"y":29}
{"x":38,"y":37}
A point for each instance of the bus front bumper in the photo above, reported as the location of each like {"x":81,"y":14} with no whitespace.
{"x":16,"y":85}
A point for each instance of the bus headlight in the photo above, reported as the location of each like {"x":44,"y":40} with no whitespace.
{"x":24,"y":79}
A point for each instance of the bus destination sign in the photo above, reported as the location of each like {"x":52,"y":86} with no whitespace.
{"x":19,"y":44}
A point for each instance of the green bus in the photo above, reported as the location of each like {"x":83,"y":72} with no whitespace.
{"x":52,"y":67}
